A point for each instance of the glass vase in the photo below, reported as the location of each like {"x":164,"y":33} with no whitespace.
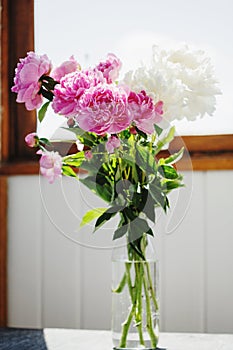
{"x":135,"y":302}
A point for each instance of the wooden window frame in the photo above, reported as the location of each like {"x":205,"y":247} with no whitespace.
{"x":212,"y":152}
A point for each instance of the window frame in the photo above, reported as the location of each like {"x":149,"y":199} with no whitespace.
{"x":17,"y":37}
{"x":212,"y":152}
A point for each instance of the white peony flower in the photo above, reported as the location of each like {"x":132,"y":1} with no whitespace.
{"x":183,"y":79}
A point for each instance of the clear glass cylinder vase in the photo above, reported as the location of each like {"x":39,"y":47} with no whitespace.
{"x":135,"y":299}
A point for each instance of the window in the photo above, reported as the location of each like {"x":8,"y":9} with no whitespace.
{"x":89,"y":29}
{"x":17,"y":37}
{"x":207,"y":152}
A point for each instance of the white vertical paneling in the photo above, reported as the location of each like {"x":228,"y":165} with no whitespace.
{"x":61,"y":256}
{"x":182,"y":258}
{"x":219,"y":247}
{"x":55,"y":282}
{"x":24,"y":252}
{"x":96,"y":267}
{"x":96,"y":289}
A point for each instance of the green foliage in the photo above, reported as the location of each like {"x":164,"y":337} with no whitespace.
{"x":43,"y":110}
{"x":44,"y":141}
{"x":158,"y":129}
{"x":68,"y":171}
{"x":131,"y":180}
{"x":168,"y":172}
{"x":107,"y":215}
{"x":74,"y":160}
{"x":173,"y":158}
{"x":91,"y":215}
{"x":120,"y":231}
{"x":166,"y":140}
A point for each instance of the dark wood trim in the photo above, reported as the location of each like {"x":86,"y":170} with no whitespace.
{"x":206,"y":143}
{"x":210,"y":152}
{"x":17,"y":38}
{"x":17,"y":34}
{"x":19,"y":168}
{"x":3,"y":251}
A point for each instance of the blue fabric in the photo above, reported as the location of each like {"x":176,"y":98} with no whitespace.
{"x":22,"y":339}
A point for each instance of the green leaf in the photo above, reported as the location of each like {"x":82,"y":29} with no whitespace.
{"x":145,"y":159}
{"x":45,"y":141}
{"x":149,"y":208}
{"x":169,"y":185}
{"x":74,"y":162}
{"x":91,"y":215}
{"x":139,"y":199}
{"x":107,"y":215}
{"x":68,"y":171}
{"x":167,"y":139}
{"x":128,"y":212}
{"x":150,"y":232}
{"x":75,"y":159}
{"x":103,"y":190}
{"x":168,"y":172}
{"x":173,"y":158}
{"x":137,"y":228}
{"x":158,"y":129}
{"x":158,"y":195}
{"x":42,"y":111}
{"x":120,"y":232}
{"x":78,"y":155}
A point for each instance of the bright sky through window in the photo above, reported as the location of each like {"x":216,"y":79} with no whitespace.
{"x":89,"y":30}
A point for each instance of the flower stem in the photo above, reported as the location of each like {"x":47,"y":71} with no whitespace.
{"x":121,"y":285}
{"x":127,"y":323}
{"x":138,"y":313}
{"x":126,"y":326}
{"x":129,"y":282}
{"x":149,"y":325}
{"x":152,"y":292}
{"x":142,"y":282}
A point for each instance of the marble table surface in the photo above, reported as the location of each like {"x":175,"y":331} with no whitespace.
{"x":68,"y":339}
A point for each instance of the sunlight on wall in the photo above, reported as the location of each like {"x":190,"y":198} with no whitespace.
{"x":90,"y":30}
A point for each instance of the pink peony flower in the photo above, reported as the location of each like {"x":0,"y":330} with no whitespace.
{"x":72,"y":86}
{"x":145,"y":113}
{"x":26,"y":81}
{"x":32,"y":139}
{"x":65,"y":68}
{"x":112,"y":143}
{"x":50,"y":165}
{"x":159,"y":107}
{"x":103,"y":109}
{"x":110,"y":68}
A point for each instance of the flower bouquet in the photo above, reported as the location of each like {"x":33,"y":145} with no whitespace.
{"x":120,"y":127}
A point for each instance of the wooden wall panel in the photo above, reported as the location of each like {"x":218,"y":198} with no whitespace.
{"x":62,"y":284}
{"x":182,"y":273}
{"x":25,"y":246}
{"x":218,"y":252}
